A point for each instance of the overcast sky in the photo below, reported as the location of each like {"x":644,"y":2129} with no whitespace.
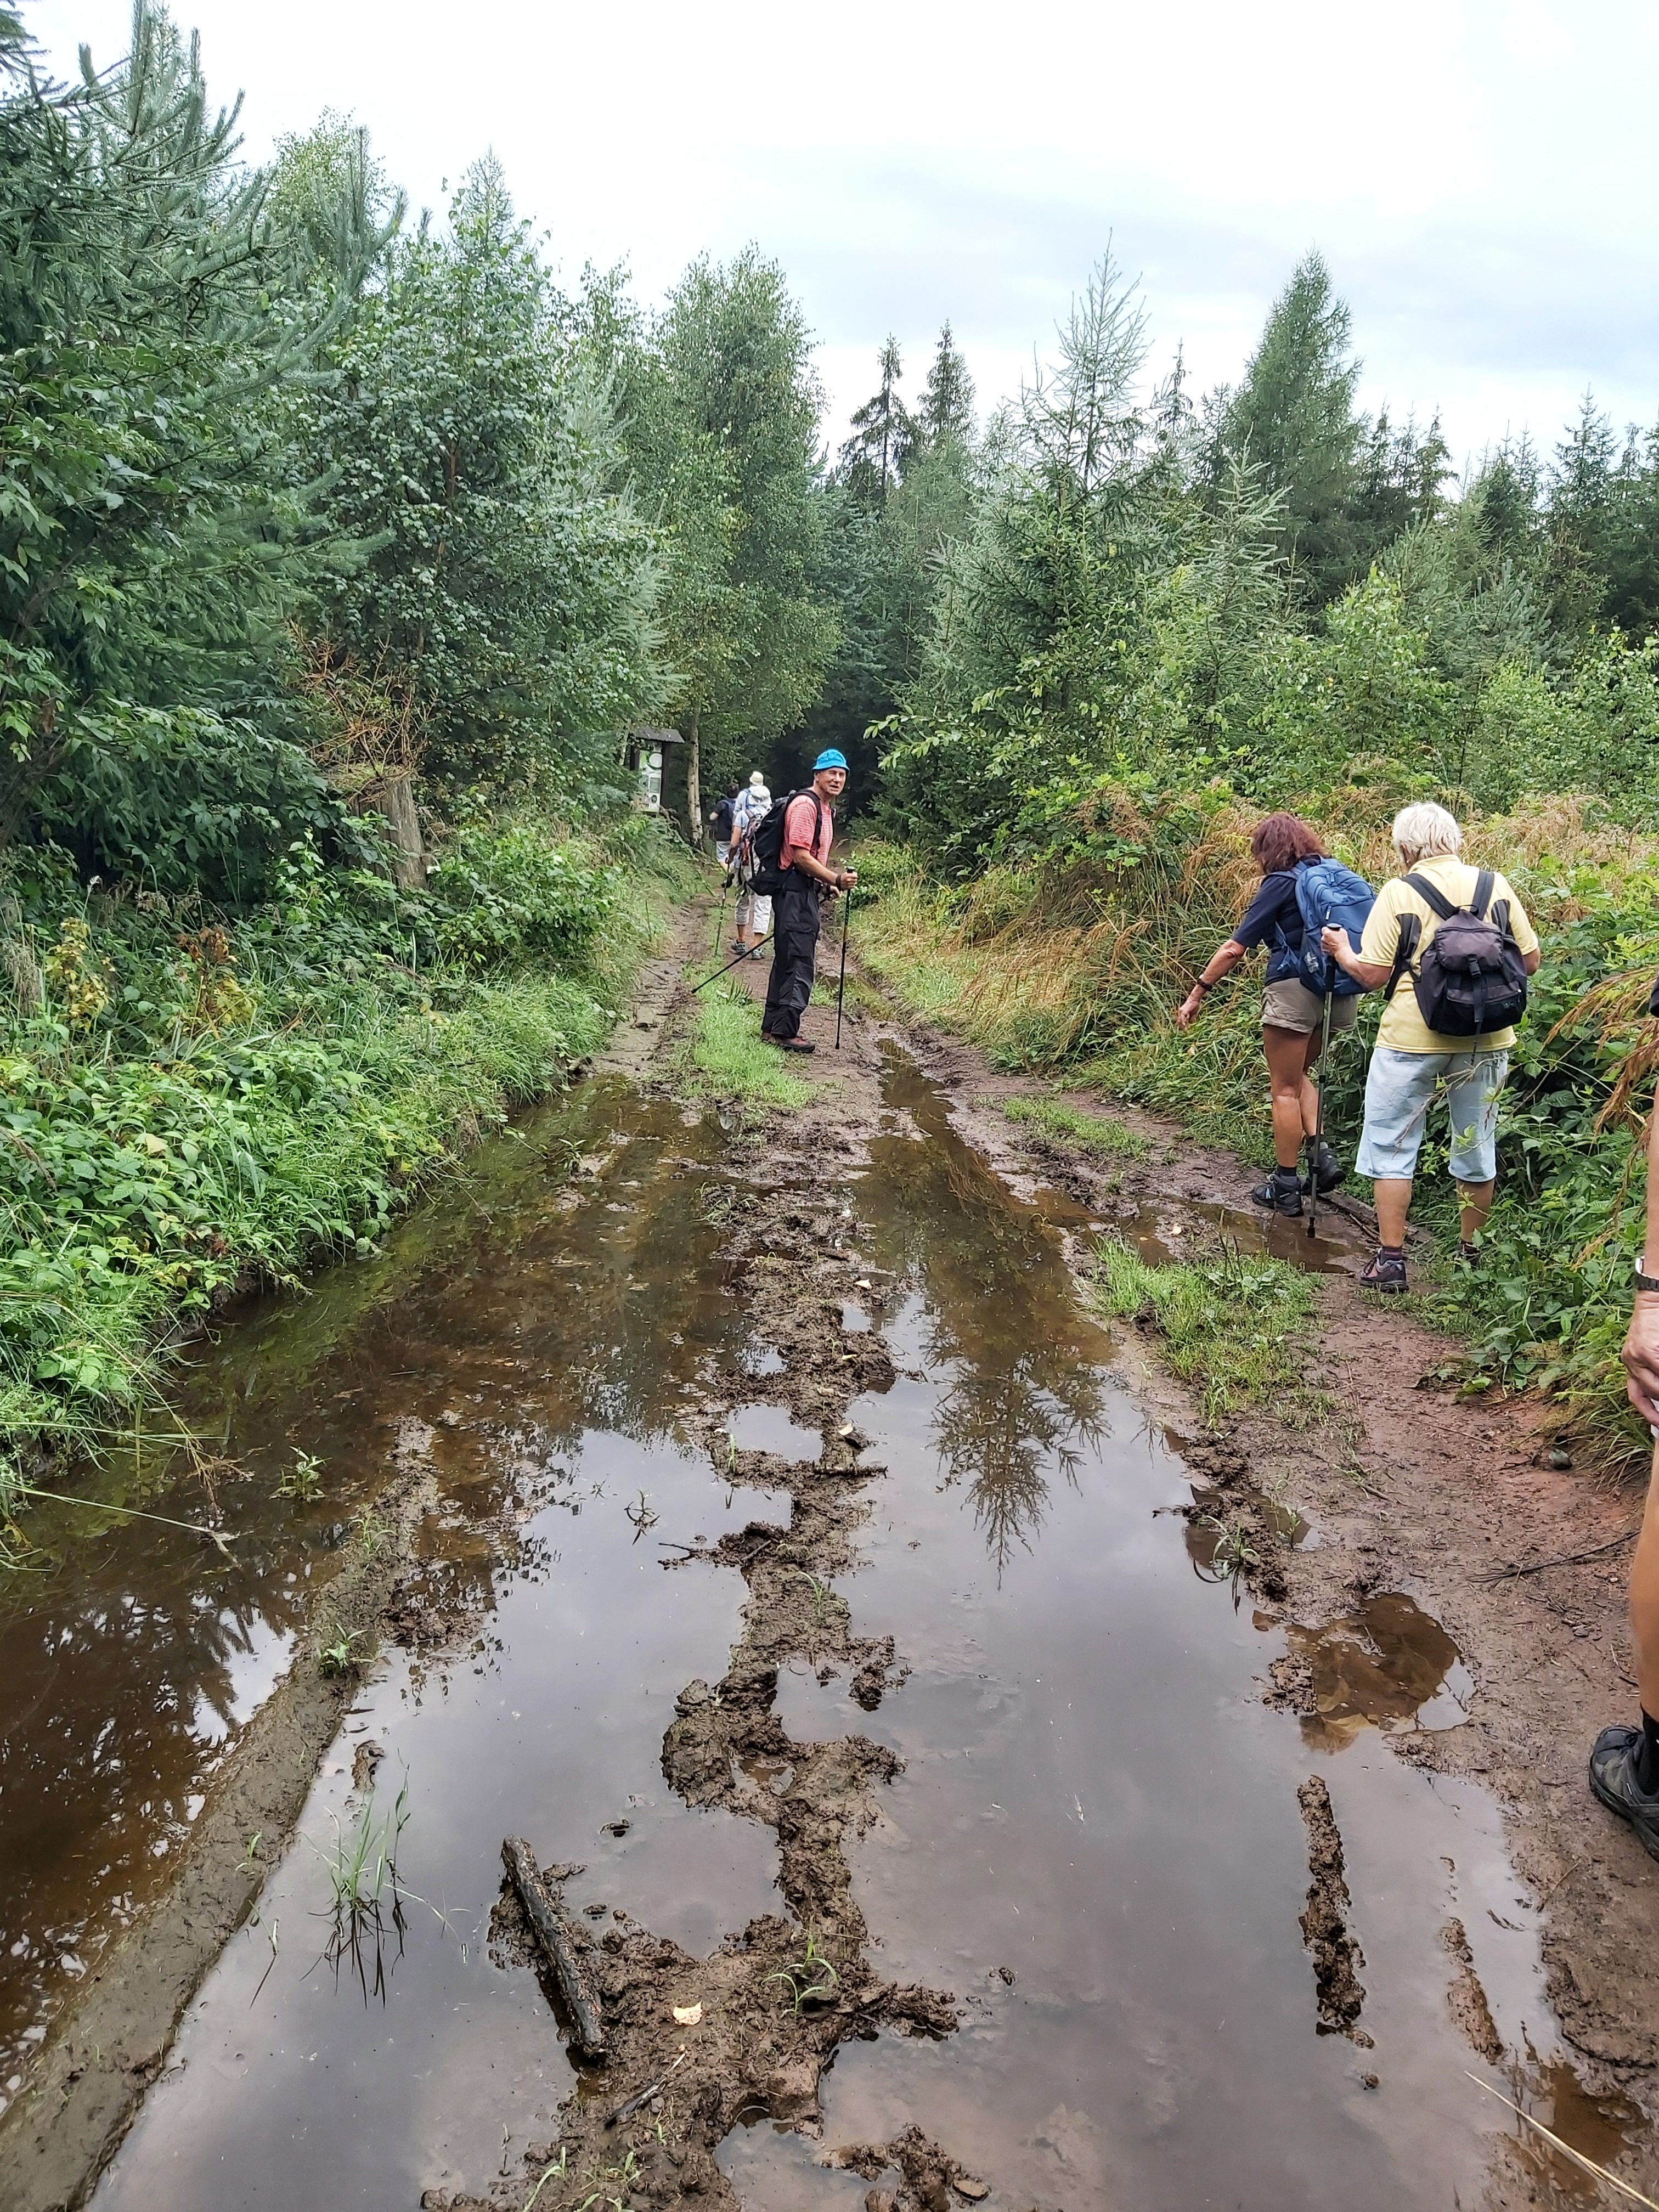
{"x":1480,"y":177}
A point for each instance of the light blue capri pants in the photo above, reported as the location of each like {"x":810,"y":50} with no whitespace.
{"x":1399,"y":1089}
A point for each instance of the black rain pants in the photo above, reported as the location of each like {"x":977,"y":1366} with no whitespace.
{"x":794,"y":957}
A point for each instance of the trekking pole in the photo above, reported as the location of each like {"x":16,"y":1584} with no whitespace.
{"x":1319,"y":1119}
{"x":719,"y":914}
{"x":730,"y":965}
{"x":840,"y":987}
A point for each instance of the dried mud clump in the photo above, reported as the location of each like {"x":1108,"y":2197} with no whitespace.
{"x":1225,"y":1492}
{"x":930,"y":2179}
{"x":1336,"y":1956}
{"x":1468,"y":1999}
{"x":693,"y":2046}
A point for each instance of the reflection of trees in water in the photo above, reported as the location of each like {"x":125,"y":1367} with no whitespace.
{"x":1003,"y":1435}
{"x":1024,"y":1395}
{"x":128,"y":1661}
{"x":596,"y":1313}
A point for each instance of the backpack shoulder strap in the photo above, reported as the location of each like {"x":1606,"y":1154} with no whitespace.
{"x":1432,"y":897}
{"x":1411,"y":928}
{"x":1483,"y":884}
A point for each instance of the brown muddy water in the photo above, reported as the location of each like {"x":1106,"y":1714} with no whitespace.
{"x":1096,"y":1841}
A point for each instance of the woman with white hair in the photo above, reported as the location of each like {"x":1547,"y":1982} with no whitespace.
{"x":754,"y":916}
{"x":1412,"y":1062}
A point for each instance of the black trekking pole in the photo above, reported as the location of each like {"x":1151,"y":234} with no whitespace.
{"x":720,"y":914}
{"x":840,"y":987}
{"x":730,"y":965}
{"x":1318,"y":1119}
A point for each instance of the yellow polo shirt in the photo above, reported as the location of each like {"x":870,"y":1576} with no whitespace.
{"x":1403,"y":1029}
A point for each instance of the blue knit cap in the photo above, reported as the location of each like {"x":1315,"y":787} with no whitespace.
{"x":830,"y":758}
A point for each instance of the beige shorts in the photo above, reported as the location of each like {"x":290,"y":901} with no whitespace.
{"x":1292,"y":1006}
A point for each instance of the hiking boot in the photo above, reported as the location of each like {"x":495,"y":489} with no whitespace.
{"x":1613,"y":1778}
{"x":1467,"y":1253}
{"x":1387,"y":1272}
{"x":1281,"y":1193}
{"x":1329,"y":1169}
{"x":787,"y":1044}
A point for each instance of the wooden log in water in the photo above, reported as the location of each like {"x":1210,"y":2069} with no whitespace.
{"x":554,"y":1936}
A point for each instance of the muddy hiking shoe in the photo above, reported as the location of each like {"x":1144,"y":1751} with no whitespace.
{"x":1281,"y":1193}
{"x":1613,"y":1777}
{"x":1387,"y":1271}
{"x":1328,"y":1168}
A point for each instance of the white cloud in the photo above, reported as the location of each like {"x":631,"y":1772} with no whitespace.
{"x":1479,"y":176}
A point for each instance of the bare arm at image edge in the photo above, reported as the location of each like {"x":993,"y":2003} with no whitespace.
{"x":1641,"y":1353}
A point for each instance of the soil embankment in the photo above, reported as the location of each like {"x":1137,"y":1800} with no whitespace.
{"x":842,"y":1617}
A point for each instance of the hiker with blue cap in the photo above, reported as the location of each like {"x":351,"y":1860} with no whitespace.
{"x":802,"y":878}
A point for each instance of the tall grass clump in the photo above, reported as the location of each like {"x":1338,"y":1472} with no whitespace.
{"x":727,"y":1059}
{"x":1090,"y":1132}
{"x":1236,"y":1327}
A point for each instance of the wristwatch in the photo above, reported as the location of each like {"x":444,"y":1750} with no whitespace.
{"x":1644,"y":1282}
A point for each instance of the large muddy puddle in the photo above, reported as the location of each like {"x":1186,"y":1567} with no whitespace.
{"x":1096,"y":1842}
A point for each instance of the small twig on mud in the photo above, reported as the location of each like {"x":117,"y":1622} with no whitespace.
{"x":629,"y":2105}
{"x":547,"y":1922}
{"x":1566,"y":2148}
{"x":214,"y":1536}
{"x":271,"y":1937}
{"x":1578,"y":1866}
{"x":1567,"y":1559}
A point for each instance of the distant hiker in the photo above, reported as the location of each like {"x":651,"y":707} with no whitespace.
{"x":805,"y":825}
{"x":754,"y":918}
{"x":1284,"y":848}
{"x":1624,"y":1765}
{"x":1462,"y":937}
{"x":721,"y":818}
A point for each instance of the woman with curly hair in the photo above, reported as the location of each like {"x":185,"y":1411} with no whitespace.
{"x":1291,"y":1013}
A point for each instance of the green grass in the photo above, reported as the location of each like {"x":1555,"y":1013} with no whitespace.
{"x":153,"y":1160}
{"x":1092,"y":1133}
{"x":727,"y":1059}
{"x":1238,"y":1327}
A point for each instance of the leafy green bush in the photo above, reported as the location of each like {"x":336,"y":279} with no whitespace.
{"x":185,"y":1111}
{"x":187,"y":800}
{"x":504,"y":895}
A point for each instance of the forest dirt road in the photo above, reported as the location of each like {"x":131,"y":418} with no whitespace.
{"x":838,"y":1611}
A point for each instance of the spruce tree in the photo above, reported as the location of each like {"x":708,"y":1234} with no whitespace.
{"x":1582,"y":516}
{"x":152,"y":545}
{"x":947,"y":397}
{"x":884,"y":436}
{"x":1294,"y":418}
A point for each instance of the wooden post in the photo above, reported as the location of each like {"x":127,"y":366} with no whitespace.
{"x":693,"y":784}
{"x":397,"y":803}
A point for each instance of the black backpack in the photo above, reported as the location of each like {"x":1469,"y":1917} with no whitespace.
{"x":766,"y":841}
{"x":1472,"y":977}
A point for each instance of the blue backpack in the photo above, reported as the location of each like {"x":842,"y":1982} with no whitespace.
{"x":1326,"y":891}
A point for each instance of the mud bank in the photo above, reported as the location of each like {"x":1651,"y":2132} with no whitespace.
{"x":801,"y":1571}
